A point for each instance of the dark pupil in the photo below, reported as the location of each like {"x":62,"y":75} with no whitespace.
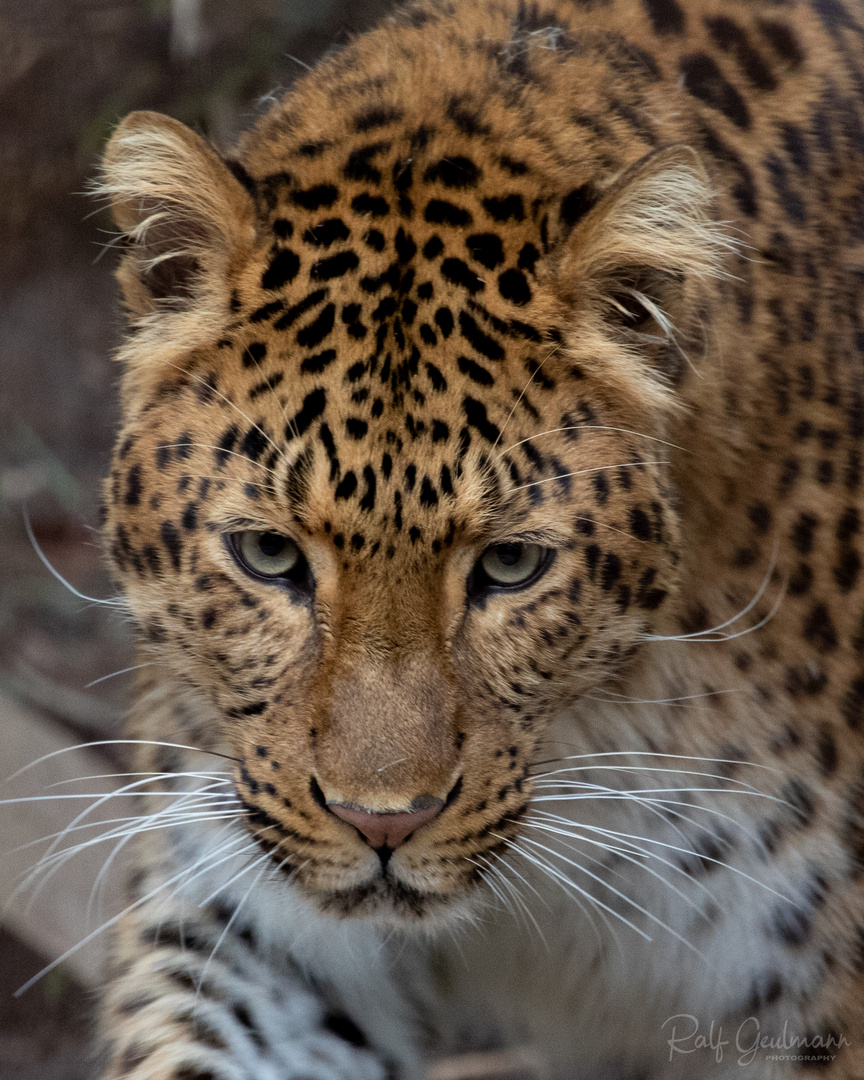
{"x":271,"y":544}
{"x":509,"y":554}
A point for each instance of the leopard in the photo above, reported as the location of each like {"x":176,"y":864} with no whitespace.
{"x":488,"y":505}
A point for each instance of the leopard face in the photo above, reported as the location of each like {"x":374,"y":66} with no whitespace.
{"x":393,"y":488}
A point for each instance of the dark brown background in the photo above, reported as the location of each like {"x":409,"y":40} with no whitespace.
{"x":69,"y":70}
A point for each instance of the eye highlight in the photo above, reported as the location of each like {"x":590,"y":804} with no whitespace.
{"x":509,"y":566}
{"x":268,"y":555}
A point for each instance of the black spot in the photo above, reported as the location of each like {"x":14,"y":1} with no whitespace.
{"x":505,"y":208}
{"x":819,"y":629}
{"x":475,"y":414}
{"x":376,"y":118}
{"x":513,"y":286}
{"x":704,"y":79}
{"x":666,"y":16}
{"x":282,"y":269}
{"x":440,"y":431}
{"x":760,"y":516}
{"x":335,"y":266}
{"x":458,"y":272}
{"x":356,"y":427}
{"x":344,"y":1028}
{"x":283,"y":228}
{"x":486,"y":248}
{"x":373,"y":205}
{"x":439,"y":383}
{"x":640,"y":524}
{"x":367,"y":502}
{"x":484,"y":344}
{"x":313,"y":334}
{"x":847,"y":570}
{"x":327,"y":232}
{"x":315,"y":197}
{"x":466,"y":120}
{"x":254,"y":354}
{"x":312,"y":407}
{"x":405,"y":246}
{"x":827,"y":753}
{"x":576,"y":204}
{"x":172,"y":542}
{"x":453,"y":172}
{"x":730,"y":37}
{"x":374,"y":239}
{"x":133,"y":486}
{"x":254,"y":444}
{"x":433,"y":247}
{"x":444,"y":322}
{"x":317,"y":363}
{"x":802,"y":533}
{"x":428,"y":335}
{"x":428,"y":494}
{"x":475,"y":372}
{"x":442,"y":212}
{"x":781,"y":37}
{"x":347,"y":486}
{"x":300,"y":308}
{"x":611,"y":571}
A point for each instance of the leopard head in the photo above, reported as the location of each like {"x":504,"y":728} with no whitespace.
{"x":393,"y":486}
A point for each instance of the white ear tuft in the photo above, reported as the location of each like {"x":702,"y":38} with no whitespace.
{"x":184,"y":215}
{"x":637,"y":265}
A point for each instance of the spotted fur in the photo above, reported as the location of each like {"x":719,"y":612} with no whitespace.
{"x":581,"y":274}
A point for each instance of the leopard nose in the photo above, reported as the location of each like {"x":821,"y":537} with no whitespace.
{"x":388,"y":828}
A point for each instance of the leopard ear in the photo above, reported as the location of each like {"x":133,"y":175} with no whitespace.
{"x":636,"y":265}
{"x":186,"y":221}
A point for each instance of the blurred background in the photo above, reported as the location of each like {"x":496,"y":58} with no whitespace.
{"x":70,"y":70}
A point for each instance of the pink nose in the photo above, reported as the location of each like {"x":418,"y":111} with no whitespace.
{"x":388,"y":828}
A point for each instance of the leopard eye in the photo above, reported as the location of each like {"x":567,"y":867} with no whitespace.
{"x":508,"y":565}
{"x":268,"y":555}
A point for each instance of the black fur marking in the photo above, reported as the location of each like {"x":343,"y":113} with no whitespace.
{"x":704,"y":79}
{"x":347,"y":486}
{"x":373,"y":205}
{"x":266,"y":311}
{"x":666,"y":16}
{"x":172,"y":542}
{"x":327,"y":232}
{"x":729,"y":36}
{"x":367,"y":502}
{"x":312,"y":335}
{"x":484,"y":344}
{"x":317,"y":363}
{"x":359,"y":165}
{"x":513,"y":286}
{"x":476,"y":372}
{"x":453,"y":172}
{"x":282,"y":269}
{"x":475,"y":414}
{"x":442,"y":212}
{"x":254,"y":354}
{"x":459,"y":273}
{"x":313,"y":406}
{"x":300,"y":308}
{"x":377,"y":118}
{"x":133,"y":486}
{"x":486,"y":248}
{"x":374,"y":239}
{"x":335,"y":266}
{"x":505,"y":208}
{"x":315,"y":197}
